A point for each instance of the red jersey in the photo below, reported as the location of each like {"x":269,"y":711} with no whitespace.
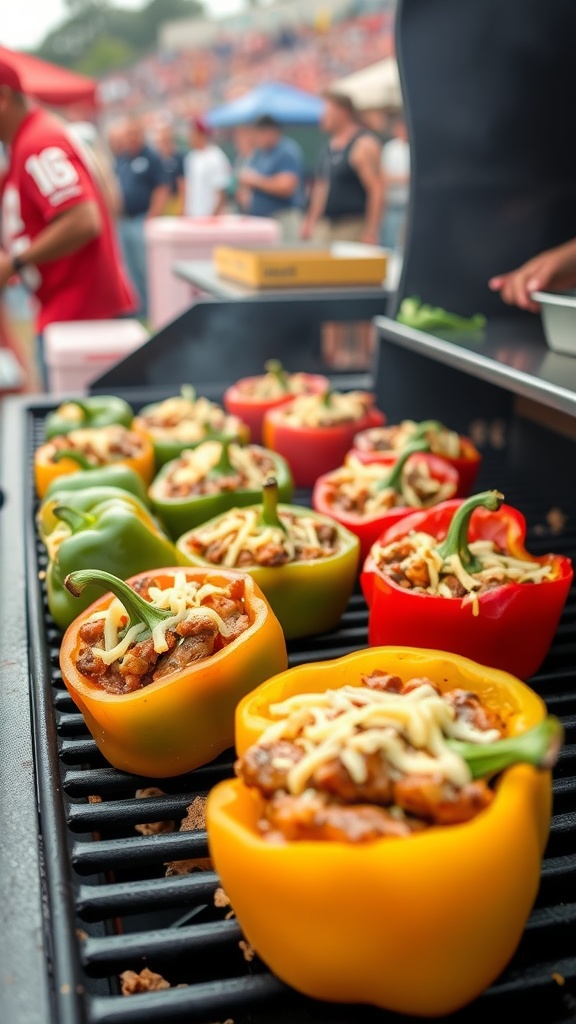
{"x":47,"y":175}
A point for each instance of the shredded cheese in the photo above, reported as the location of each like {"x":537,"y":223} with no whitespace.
{"x":251,"y":463}
{"x":312,"y":410}
{"x":410,"y":730}
{"x":355,"y":486}
{"x":186,"y":418}
{"x":240,"y":531}
{"x":184,"y":599}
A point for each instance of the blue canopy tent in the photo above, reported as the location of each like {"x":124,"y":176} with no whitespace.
{"x":288,"y":105}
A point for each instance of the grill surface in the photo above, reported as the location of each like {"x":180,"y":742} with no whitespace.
{"x":110,"y":906}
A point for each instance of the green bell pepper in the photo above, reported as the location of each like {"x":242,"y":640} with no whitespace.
{"x":81,"y":501}
{"x":185,"y":421}
{"x":114,"y":475}
{"x":96,"y":411}
{"x":115,"y":537}
{"x":424,"y":317}
{"x":308,"y":590}
{"x":216,"y":482}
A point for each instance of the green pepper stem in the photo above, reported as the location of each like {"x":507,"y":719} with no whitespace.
{"x":539,"y":746}
{"x":393,"y":479}
{"x":76,"y":456}
{"x":224,"y":466}
{"x":139,"y":610}
{"x":426,"y":425}
{"x":456,"y":542}
{"x":274,"y":366}
{"x":84,"y":408}
{"x":73,"y":517}
{"x":269,"y":515}
{"x":189,"y":393}
{"x":327,"y":397}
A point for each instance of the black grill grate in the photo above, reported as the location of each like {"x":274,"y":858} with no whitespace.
{"x":112,"y":908}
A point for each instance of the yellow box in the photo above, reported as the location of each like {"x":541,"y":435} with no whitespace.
{"x":301,"y":267}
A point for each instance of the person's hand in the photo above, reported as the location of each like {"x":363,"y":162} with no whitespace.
{"x":306,"y":230}
{"x":369,"y":237}
{"x":553,"y":270}
{"x":249,"y":177}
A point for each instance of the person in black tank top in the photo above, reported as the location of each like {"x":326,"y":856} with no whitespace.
{"x":347,"y":198}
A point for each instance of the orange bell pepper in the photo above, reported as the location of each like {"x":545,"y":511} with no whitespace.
{"x":418,"y":925}
{"x":51,"y":462}
{"x":185,"y":719}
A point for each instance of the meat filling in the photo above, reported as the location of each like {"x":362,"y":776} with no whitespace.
{"x":307,"y":538}
{"x":341,"y":800}
{"x":100,"y":446}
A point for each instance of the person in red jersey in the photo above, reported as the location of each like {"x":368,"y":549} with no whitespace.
{"x":57,"y":233}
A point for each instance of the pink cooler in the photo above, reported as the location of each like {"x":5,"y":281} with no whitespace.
{"x":79,"y":351}
{"x":172,"y":239}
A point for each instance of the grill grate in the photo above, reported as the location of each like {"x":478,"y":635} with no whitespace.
{"x":112,"y":908}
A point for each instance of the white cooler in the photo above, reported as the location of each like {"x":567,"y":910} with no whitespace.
{"x":171,"y":239}
{"x":79,"y":351}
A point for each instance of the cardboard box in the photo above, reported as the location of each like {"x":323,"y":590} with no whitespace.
{"x":341,"y":264}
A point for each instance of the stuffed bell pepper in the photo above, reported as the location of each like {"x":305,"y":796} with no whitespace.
{"x":458,"y":577}
{"x":116,"y":534}
{"x":51,"y":529}
{"x":212,"y":478}
{"x":116,"y":474}
{"x":314,"y":432}
{"x":184,"y":421}
{"x":383,"y":839}
{"x":380,"y":442}
{"x":158,"y":664}
{"x":251,"y":397}
{"x":305,"y":563}
{"x":366,"y":498}
{"x":95,"y":411}
{"x":92,"y":447}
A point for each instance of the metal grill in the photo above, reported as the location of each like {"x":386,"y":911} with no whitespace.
{"x":112,"y":908}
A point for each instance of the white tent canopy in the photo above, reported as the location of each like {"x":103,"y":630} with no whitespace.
{"x":374,"y":87}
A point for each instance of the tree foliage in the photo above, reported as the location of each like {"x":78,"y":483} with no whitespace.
{"x":98,"y":36}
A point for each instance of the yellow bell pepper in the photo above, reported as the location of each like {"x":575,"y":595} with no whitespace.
{"x":417,"y":925}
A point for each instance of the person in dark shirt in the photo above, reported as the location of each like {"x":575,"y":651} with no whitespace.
{"x":173,"y":163}
{"x":347,"y":199}
{"x":144,"y":192}
{"x":274,"y":176}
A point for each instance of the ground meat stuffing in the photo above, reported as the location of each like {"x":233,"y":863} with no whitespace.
{"x":383,"y":800}
{"x":307,"y":539}
{"x":192,"y":640}
{"x":179,"y":483}
{"x":121,"y":443}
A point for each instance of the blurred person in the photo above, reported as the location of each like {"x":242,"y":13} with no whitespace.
{"x":57,"y":233}
{"x":274,"y":175}
{"x":244,"y":146}
{"x":551,"y":270}
{"x":396,"y":173}
{"x":173,"y":162}
{"x":99,"y":160}
{"x":207,"y":173}
{"x":144,"y":192}
{"x":347,"y":198}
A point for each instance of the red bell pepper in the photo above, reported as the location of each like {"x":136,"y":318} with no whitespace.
{"x":392,"y":475}
{"x":379,"y":444}
{"x":313,"y":450}
{"x":250,"y":397}
{"x":509,"y":626}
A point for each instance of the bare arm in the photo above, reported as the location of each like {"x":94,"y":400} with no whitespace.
{"x":283,"y":185}
{"x":554,"y":269}
{"x":220,"y":202}
{"x":316,"y":207}
{"x":64,"y":235}
{"x":366,"y":159}
{"x":158,"y":201}
{"x":180,"y":196}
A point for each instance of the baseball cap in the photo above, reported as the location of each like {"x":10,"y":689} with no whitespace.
{"x":10,"y":77}
{"x":201,"y":125}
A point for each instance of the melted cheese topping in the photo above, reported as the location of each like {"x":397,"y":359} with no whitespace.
{"x":185,"y":418}
{"x":184,"y":599}
{"x":496,"y":566}
{"x":312,"y":411}
{"x":99,"y":443}
{"x":241,"y":531}
{"x":195,"y":464}
{"x":396,"y":438}
{"x":268,"y":386}
{"x":357,"y":483}
{"x":409,"y":730}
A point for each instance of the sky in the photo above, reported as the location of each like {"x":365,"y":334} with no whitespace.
{"x":24,"y":23}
